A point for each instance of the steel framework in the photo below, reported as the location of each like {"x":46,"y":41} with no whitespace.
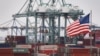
{"x":47,"y":12}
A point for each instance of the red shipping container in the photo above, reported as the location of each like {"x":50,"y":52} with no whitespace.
{"x":79,"y":52}
{"x":86,"y":42}
{"x":96,"y":34}
{"x":17,"y":39}
{"x":6,"y":52}
{"x":47,"y":51}
{"x":22,"y":54}
{"x":97,"y":45}
{"x":6,"y":55}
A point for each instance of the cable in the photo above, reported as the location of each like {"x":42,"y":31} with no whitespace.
{"x":22,"y":6}
{"x":19,"y":22}
{"x":5,"y":22}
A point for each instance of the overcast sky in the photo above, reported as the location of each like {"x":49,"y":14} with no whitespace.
{"x":10,"y":7}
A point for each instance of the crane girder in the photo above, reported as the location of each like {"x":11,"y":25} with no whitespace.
{"x":23,"y":15}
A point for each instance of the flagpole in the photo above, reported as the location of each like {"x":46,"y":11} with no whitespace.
{"x":90,"y":33}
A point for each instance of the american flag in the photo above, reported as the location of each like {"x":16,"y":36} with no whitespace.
{"x":80,"y":26}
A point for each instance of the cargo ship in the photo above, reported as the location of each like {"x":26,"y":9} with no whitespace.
{"x":46,"y":34}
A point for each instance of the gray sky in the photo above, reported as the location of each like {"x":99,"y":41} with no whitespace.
{"x":10,"y":7}
{"x":87,"y":6}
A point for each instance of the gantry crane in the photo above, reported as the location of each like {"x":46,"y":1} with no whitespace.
{"x":48,"y":12}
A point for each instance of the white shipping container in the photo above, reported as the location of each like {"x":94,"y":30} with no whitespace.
{"x":23,"y":46}
{"x":48,"y":47}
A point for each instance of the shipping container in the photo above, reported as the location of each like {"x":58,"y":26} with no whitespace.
{"x":61,"y":40}
{"x":20,"y":39}
{"x":48,"y":49}
{"x":79,"y":52}
{"x":21,"y":52}
{"x":97,"y":45}
{"x":96,"y":35}
{"x":24,"y":46}
{"x":5,"y":45}
{"x":6,"y":52}
{"x":76,"y":46}
{"x":87,"y":42}
{"x":16,"y":39}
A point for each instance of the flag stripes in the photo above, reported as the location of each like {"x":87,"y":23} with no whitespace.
{"x":78,"y":27}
